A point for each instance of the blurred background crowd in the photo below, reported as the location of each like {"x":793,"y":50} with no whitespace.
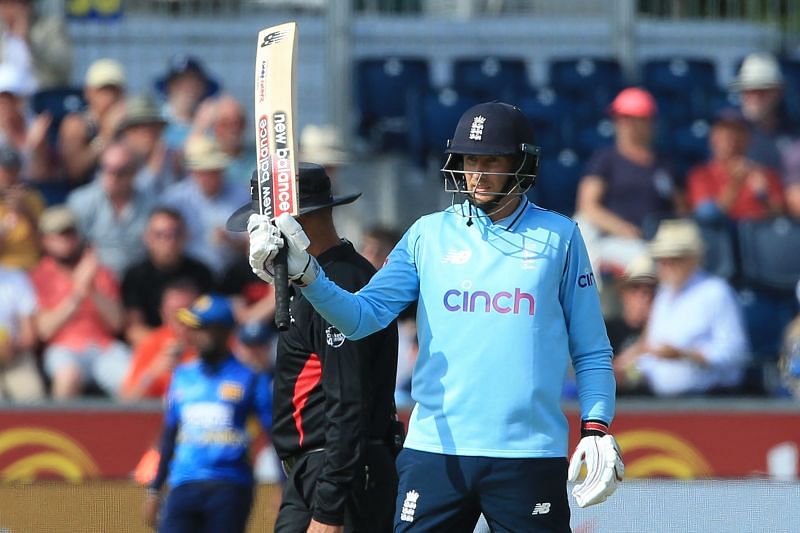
{"x":117,"y":175}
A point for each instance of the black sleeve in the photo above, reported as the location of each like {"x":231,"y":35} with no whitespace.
{"x":166,"y":450}
{"x":346,"y":428}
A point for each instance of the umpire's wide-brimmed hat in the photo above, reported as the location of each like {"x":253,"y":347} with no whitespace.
{"x":315,"y":193}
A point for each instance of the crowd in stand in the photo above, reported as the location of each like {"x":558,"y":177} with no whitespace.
{"x":113,"y":218}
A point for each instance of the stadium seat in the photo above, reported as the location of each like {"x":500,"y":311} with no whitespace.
{"x":691,"y":142}
{"x":58,"y":102}
{"x":591,"y":82}
{"x":679,"y":75}
{"x":594,"y":136}
{"x":491,"y":78}
{"x":769,"y":252}
{"x":766,"y":315}
{"x":557,"y":183}
{"x":432,"y":122}
{"x":720,"y":257}
{"x":383,"y":89}
{"x":549,"y":113}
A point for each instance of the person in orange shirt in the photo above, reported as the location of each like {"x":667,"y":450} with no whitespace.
{"x":80,"y":311}
{"x":157,"y":355}
{"x":730,"y":185}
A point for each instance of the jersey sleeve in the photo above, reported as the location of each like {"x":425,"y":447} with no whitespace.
{"x":588,"y":340}
{"x":372,"y":308}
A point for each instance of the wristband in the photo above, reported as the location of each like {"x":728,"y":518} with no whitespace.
{"x":593,"y":428}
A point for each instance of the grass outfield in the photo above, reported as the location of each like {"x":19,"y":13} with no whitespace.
{"x":101,"y":506}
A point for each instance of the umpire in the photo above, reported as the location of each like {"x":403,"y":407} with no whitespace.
{"x":334,"y":420}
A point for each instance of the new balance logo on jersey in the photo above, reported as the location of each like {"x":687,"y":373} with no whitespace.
{"x":409,"y":506}
{"x":541,"y":508}
{"x":476,"y":129}
{"x":457,"y":257}
{"x":481,"y":301}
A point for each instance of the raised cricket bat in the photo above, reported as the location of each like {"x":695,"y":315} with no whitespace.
{"x":276,"y":146}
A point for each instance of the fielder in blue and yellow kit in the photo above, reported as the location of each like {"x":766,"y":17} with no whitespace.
{"x":204,"y":447}
{"x":506,"y":297}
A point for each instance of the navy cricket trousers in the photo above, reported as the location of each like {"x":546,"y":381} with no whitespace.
{"x":446,"y":493}
{"x":207,"y":507}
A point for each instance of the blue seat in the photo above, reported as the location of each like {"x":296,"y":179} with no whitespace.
{"x":766,"y":315}
{"x":434,"y":120}
{"x":769,"y":251}
{"x":592,"y":83}
{"x":384,"y":90}
{"x":491,"y":78}
{"x":58,"y":103}
{"x":557,"y":182}
{"x":550,"y":114}
{"x":691,"y":142}
{"x":679,"y":75}
{"x":721,"y":255}
{"x":594,"y":136}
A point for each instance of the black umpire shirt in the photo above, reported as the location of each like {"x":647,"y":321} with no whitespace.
{"x":330,"y":392}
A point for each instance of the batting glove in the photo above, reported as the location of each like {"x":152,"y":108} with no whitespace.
{"x":265,"y":241}
{"x":604,"y":467}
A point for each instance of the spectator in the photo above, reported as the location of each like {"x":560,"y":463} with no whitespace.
{"x":324,"y":145}
{"x":17,"y":130}
{"x":19,"y":377}
{"x":184,"y":86}
{"x":377,"y":242}
{"x":205,"y":443}
{"x":695,"y":340}
{"x":80,"y":312}
{"x":39,"y":44}
{"x":637,"y":289}
{"x":84,"y":135}
{"x":161,"y":350}
{"x":760,"y":84}
{"x":205,"y":201}
{"x":790,"y":354}
{"x":166,"y":261}
{"x":141,"y":129}
{"x":224,"y":118}
{"x":111,"y":213}
{"x":731,"y":185}
{"x":19,"y":214}
{"x":625,"y":187}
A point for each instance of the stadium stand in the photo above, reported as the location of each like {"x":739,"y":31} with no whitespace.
{"x":491,"y":78}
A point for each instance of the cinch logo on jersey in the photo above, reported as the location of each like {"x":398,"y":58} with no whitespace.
{"x":586,"y":280}
{"x":409,"y":506}
{"x":481,"y":301}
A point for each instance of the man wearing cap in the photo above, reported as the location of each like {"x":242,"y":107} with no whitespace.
{"x":626,"y":188}
{"x":79,"y":311}
{"x":695,"y":341}
{"x":506,"y":297}
{"x":206,"y":199}
{"x":141,"y":129}
{"x":204,"y":444}
{"x":334,"y":413}
{"x":732,"y":185}
{"x":84,"y":135}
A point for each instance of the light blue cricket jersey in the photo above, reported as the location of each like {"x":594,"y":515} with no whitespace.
{"x":502,"y":306}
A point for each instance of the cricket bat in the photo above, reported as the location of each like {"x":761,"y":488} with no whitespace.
{"x":276,"y":145}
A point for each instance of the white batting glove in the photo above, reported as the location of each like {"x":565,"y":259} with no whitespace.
{"x":604,"y":469}
{"x":303,"y":267}
{"x":265,"y":241}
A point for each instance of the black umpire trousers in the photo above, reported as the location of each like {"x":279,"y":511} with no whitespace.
{"x":370,"y":504}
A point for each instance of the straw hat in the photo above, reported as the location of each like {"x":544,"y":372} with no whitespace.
{"x":323,"y":145}
{"x":204,"y":153}
{"x":104,"y":73}
{"x":677,"y":238}
{"x":758,"y":71}
{"x":640,"y":270}
{"x":56,"y":219}
{"x":139,"y":110}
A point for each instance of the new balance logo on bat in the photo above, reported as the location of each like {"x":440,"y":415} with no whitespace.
{"x":272,"y":38}
{"x":541,"y":508}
